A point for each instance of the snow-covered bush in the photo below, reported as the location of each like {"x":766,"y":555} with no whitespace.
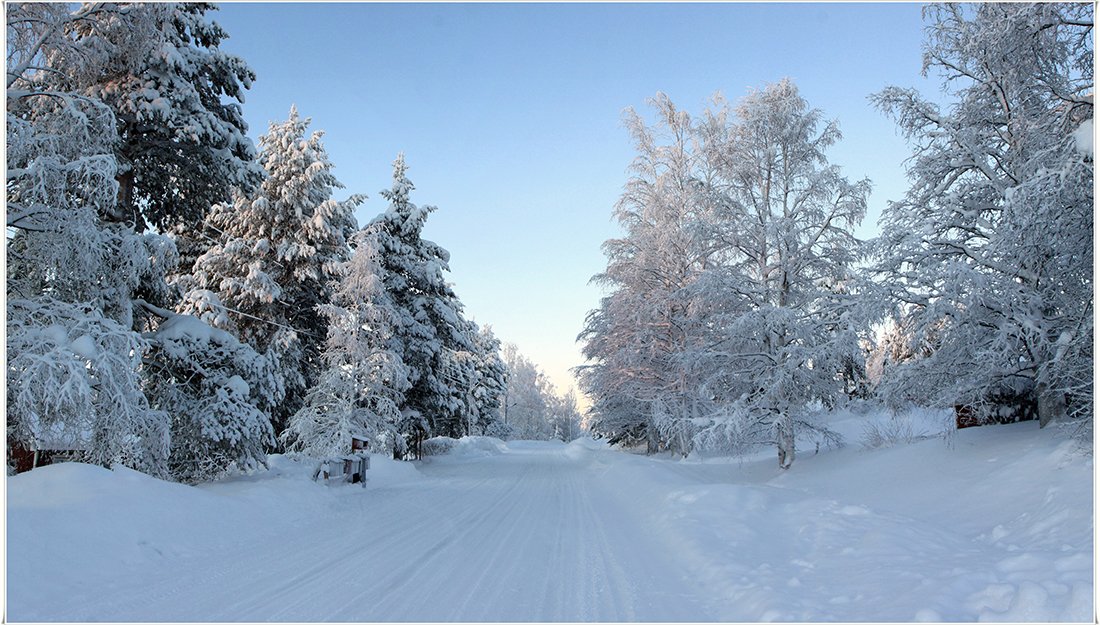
{"x":897,"y":430}
{"x":437,"y":446}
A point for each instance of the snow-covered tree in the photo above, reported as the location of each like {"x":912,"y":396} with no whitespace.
{"x":73,"y":383}
{"x":728,"y":316}
{"x":990,"y":251}
{"x":364,"y":381}
{"x":183,"y":143}
{"x":531,"y":407}
{"x":430,"y":329}
{"x":276,"y":255}
{"x":73,"y":357}
{"x":216,"y":392}
{"x":492,"y":379}
{"x":565,"y":417}
{"x":642,"y":329}
{"x":525,"y":402}
{"x":785,"y":217}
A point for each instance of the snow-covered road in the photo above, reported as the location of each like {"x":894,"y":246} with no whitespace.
{"x":551,"y":532}
{"x":511,"y":537}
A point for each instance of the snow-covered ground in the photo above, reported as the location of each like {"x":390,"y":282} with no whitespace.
{"x":996,"y":523}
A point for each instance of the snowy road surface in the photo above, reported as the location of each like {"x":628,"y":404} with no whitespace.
{"x":550,"y":532}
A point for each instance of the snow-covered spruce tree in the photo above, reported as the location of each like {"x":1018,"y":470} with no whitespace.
{"x":644,"y":326}
{"x":784,"y":341}
{"x":430,"y":322}
{"x":275,"y":257}
{"x":183,"y":143}
{"x":492,"y":381}
{"x":73,"y":358}
{"x":990,"y":251}
{"x":364,"y":381}
{"x":216,"y":391}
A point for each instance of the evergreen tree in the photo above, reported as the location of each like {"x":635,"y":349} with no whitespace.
{"x":275,"y":258}
{"x":364,"y":381}
{"x":492,"y":379}
{"x":217,"y":392}
{"x":183,"y":143}
{"x":430,"y":329}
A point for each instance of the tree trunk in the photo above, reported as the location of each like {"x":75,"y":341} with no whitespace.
{"x":652,"y":445}
{"x":124,"y":205}
{"x":785,"y":441}
{"x":1051,"y":404}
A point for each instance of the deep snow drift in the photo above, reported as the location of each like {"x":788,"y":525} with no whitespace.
{"x":993,"y":524}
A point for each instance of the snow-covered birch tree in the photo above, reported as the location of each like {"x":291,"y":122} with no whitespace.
{"x":644,"y":325}
{"x":73,"y":357}
{"x":784,"y":218}
{"x":727,"y":323}
{"x":990,"y":251}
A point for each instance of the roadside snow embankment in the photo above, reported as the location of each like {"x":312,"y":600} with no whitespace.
{"x":122,"y":526}
{"x":465,"y":447}
{"x":993,"y":523}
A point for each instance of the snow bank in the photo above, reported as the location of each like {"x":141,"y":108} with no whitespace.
{"x":992,"y":523}
{"x":465,"y":447}
{"x":120,"y":523}
{"x":584,"y":447}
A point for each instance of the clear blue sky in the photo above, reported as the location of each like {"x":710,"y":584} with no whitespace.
{"x":510,"y":116}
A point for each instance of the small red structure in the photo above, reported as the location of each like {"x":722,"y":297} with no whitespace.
{"x":23,"y":457}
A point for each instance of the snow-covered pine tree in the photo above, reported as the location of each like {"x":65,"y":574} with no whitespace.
{"x":990,"y":251}
{"x":430,"y":327}
{"x":363,"y":384}
{"x":183,"y":143}
{"x":275,"y":258}
{"x":785,"y":216}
